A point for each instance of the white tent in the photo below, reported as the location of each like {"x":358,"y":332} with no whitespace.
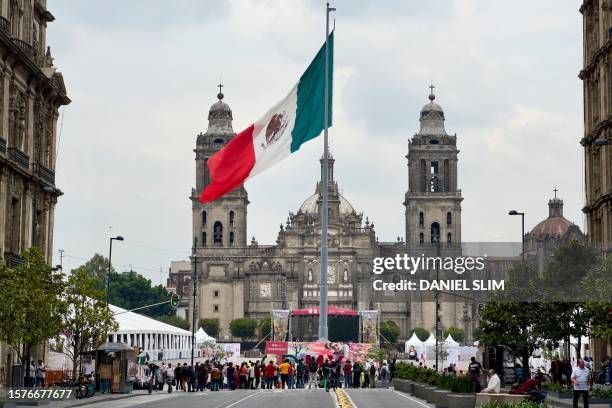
{"x":431,"y":341}
{"x":160,"y":340}
{"x":414,"y":341}
{"x":450,"y":342}
{"x":202,"y":337}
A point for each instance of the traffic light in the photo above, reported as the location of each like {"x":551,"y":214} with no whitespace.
{"x":174,"y":299}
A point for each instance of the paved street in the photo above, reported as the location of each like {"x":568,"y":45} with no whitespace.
{"x":362,"y":398}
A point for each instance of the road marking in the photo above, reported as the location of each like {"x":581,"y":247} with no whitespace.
{"x":242,"y":399}
{"x":412,"y":399}
{"x":346,"y":398}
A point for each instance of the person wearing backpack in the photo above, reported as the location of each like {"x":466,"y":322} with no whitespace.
{"x":312,"y":374}
{"x":300,"y":368}
{"x":384,"y":375}
{"x":372,"y":376}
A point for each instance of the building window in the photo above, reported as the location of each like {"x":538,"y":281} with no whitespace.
{"x":215,"y":293}
{"x":449,"y":218}
{"x":421,"y":219}
{"x":203,"y":218}
{"x":435,"y":180}
{"x":218,"y":233}
{"x":231,"y":238}
{"x":448,"y":238}
{"x":231,"y":218}
{"x":203,"y":238}
{"x":435,"y":232}
{"x":421,"y":237}
{"x":216,"y":308}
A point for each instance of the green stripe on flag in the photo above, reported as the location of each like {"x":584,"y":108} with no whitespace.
{"x":309,"y":119}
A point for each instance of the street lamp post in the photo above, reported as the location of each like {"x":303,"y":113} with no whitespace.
{"x":522,"y":214}
{"x":110,"y":254}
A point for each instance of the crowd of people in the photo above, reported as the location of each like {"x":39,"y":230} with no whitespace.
{"x":318,"y":372}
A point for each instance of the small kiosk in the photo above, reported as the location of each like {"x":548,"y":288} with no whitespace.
{"x":115,"y":368}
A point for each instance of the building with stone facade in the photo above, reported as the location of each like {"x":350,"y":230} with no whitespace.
{"x":596,"y":76}
{"x":31,"y":93}
{"x":238,"y":277}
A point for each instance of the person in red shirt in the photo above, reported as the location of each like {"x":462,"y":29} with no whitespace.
{"x":348,"y":376}
{"x":269,"y":373}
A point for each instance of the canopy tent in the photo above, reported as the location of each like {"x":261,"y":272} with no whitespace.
{"x":431,"y":341}
{"x":160,"y":340}
{"x":450,"y":342}
{"x":334,"y":311}
{"x":202,"y":337}
{"x":414,"y":341}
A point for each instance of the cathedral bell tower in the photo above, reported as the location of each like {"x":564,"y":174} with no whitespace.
{"x":433,"y":201}
{"x":221,"y":223}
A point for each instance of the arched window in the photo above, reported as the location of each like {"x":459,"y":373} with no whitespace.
{"x":203,"y":238}
{"x":231,"y":218}
{"x":218,"y":233}
{"x":435,"y":232}
{"x":421,"y":219}
{"x":203,"y":218}
{"x":448,"y":238}
{"x":421,"y":237}
{"x":449,"y":218}
{"x":231,"y":238}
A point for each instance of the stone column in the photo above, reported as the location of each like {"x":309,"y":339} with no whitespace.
{"x":6,"y":88}
{"x":26,"y":221}
{"x":29,"y":143}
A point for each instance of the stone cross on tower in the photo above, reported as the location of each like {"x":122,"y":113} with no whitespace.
{"x":555,"y":190}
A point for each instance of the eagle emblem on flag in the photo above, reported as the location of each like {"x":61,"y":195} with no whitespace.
{"x":275,"y":128}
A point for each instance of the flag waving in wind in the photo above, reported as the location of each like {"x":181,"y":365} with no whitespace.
{"x":293,"y":121}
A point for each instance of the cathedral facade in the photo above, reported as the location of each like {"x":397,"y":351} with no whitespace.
{"x":237,"y":277}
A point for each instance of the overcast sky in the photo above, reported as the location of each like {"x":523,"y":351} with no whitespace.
{"x":143,"y":74}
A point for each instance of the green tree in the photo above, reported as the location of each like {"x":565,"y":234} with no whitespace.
{"x":390,"y":331}
{"x":422,"y":334}
{"x":174,"y":321}
{"x":243,"y":328}
{"x":457,"y":334}
{"x":210,"y":326}
{"x":97,"y":267}
{"x":88,"y":319}
{"x":32,"y":307}
{"x":476,"y":333}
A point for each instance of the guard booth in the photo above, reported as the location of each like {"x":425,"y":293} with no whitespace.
{"x":115,"y":368}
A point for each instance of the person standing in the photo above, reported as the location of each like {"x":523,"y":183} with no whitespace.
{"x":372,"y":376}
{"x":40,"y":374}
{"x":178,"y":376}
{"x":269,"y":374}
{"x":325,"y":372}
{"x":164,"y":374}
{"x":312,"y":374}
{"x":582,"y":381}
{"x":474,"y":372}
{"x":300,"y":369}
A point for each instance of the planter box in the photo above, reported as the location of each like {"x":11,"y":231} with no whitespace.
{"x":428,"y":392}
{"x":561,"y":395}
{"x":440,"y":398}
{"x":417,"y":389}
{"x":599,"y":400}
{"x":461,"y":400}
{"x":403,"y":385}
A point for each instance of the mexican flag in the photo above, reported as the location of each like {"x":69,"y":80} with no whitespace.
{"x":294,"y":120}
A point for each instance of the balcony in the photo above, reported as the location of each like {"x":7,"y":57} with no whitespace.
{"x":45,"y":174}
{"x":5,"y":25}
{"x":26,"y":48}
{"x":2,"y":145}
{"x":19,"y":157}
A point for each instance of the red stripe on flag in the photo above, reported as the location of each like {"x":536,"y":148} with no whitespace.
{"x":230,"y":166}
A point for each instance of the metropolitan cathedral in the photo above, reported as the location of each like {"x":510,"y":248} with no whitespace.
{"x":238,"y":277}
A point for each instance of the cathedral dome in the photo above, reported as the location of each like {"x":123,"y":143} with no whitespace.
{"x":311,"y":205}
{"x":432,"y":118}
{"x":555,"y":226}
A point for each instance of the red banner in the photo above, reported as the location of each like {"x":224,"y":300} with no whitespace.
{"x":277,"y":347}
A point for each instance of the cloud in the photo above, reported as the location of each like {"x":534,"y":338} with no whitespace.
{"x":142,"y":77}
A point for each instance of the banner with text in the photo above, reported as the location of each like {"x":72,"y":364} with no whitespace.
{"x":280,"y":324}
{"x":369,"y":326}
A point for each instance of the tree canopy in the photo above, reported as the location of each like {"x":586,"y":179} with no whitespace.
{"x":243,"y":328}
{"x":390,"y":331}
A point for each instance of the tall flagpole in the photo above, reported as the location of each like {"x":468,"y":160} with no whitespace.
{"x":324,"y":211}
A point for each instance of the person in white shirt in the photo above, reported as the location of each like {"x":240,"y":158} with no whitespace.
{"x":494,"y":384}
{"x":581,"y":379}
